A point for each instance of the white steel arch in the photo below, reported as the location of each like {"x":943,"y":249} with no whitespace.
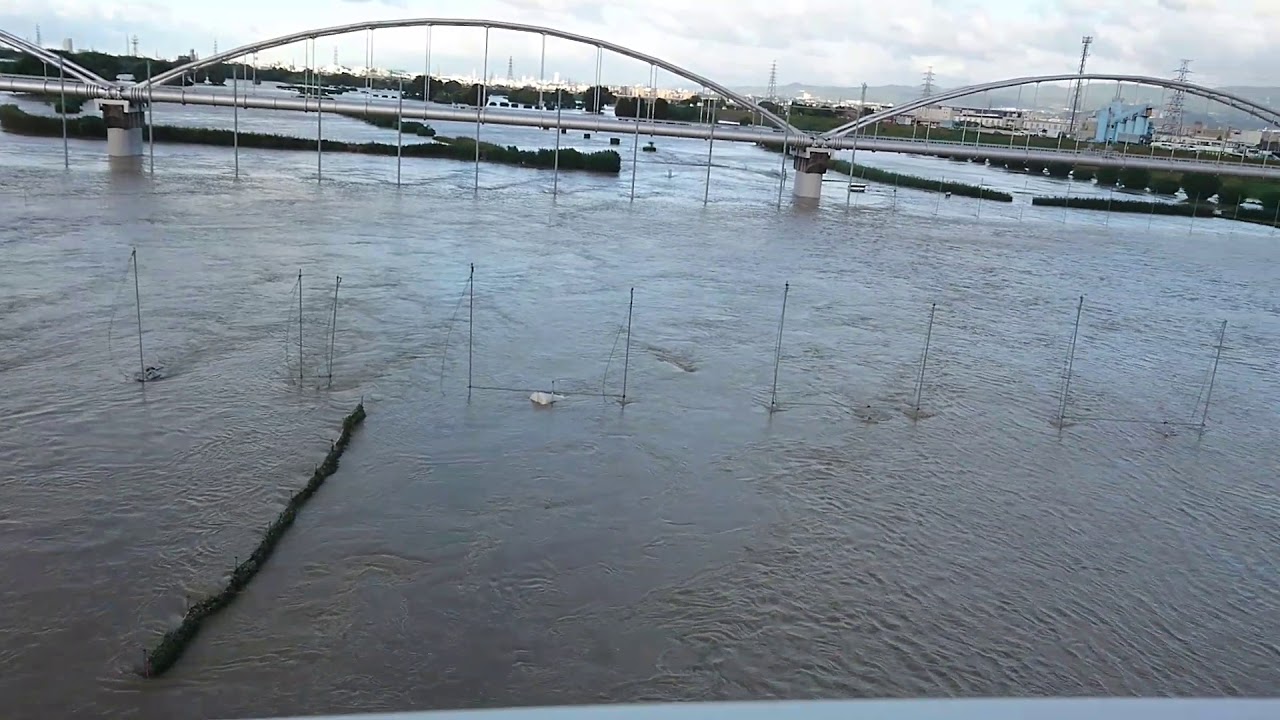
{"x":1262,"y":112}
{"x":69,"y":68}
{"x":456,"y":22}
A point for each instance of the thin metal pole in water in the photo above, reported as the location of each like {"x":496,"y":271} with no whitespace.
{"x":299,"y":327}
{"x":555,"y":176}
{"x":137,"y":303}
{"x":471,"y":322}
{"x":151,"y":124}
{"x":1194,"y":208}
{"x":711,"y":144}
{"x":1071,"y":359}
{"x":399,"y":131}
{"x":979,"y":215}
{"x":937,"y":205}
{"x":777,"y":351}
{"x":1213,"y":374}
{"x":333,"y":325}
{"x":626,"y":362}
{"x":62,"y":85}
{"x":782,"y":171}
{"x":924,"y":359}
{"x":235,"y":119}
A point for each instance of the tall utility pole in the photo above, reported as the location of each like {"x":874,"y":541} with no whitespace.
{"x":511,"y":68}
{"x":1173,"y":111}
{"x":1086,"y":41}
{"x":926,"y":90}
{"x":771,"y":92}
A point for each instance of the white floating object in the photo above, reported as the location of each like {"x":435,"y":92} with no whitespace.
{"x":544,"y":398}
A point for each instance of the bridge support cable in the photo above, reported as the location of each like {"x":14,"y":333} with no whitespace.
{"x":711,"y":144}
{"x":481,"y":102}
{"x":426,"y":75}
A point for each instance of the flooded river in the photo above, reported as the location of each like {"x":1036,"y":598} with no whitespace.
{"x":691,"y":545}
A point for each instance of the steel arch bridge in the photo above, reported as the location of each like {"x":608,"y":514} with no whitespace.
{"x":141,"y":88}
{"x":1262,"y":112}
{"x":52,"y":58}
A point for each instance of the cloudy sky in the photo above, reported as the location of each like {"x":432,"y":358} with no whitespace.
{"x":820,"y":42}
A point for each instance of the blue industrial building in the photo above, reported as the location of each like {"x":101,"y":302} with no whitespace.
{"x":1120,"y":123}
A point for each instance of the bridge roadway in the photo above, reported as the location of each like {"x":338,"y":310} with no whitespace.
{"x":622,"y":127}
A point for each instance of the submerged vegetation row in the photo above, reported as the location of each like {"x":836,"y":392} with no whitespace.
{"x":1152,"y":207}
{"x":171,"y":646}
{"x":14,"y":120}
{"x":887,"y":177}
{"x":912,"y":181}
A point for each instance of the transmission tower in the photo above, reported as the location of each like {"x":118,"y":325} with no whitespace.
{"x":1173,"y":111}
{"x":38,"y":40}
{"x":1086,"y":41}
{"x":335,"y":57}
{"x":511,"y":68}
{"x":926,"y":90}
{"x":771,"y":92}
{"x":135,"y":46}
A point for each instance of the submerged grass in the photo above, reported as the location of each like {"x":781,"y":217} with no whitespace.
{"x":171,"y":646}
{"x":13,"y":119}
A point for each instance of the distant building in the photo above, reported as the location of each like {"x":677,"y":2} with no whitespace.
{"x":68,"y":46}
{"x":1120,"y":123}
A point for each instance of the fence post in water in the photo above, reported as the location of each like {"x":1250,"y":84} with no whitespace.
{"x":711,"y":144}
{"x":151,"y":122}
{"x":471,"y":323}
{"x":299,"y":327}
{"x":626,"y":358}
{"x":1071,"y":359}
{"x":1213,"y":375}
{"x":333,"y":325}
{"x":480,"y":103}
{"x":399,"y":130}
{"x":137,"y":303}
{"x":235,"y":119}
{"x":777,"y":351}
{"x":924,"y":360}
{"x":62,"y":89}
{"x":555,"y":175}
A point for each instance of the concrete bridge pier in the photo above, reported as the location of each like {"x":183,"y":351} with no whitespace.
{"x":125,"y":120}
{"x":810,"y":165}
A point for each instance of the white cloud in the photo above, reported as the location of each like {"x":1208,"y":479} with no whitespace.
{"x":828,"y":42}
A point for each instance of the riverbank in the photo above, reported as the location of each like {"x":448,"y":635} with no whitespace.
{"x":15,"y":120}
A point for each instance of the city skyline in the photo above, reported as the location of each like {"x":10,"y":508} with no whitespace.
{"x":813,"y":42}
